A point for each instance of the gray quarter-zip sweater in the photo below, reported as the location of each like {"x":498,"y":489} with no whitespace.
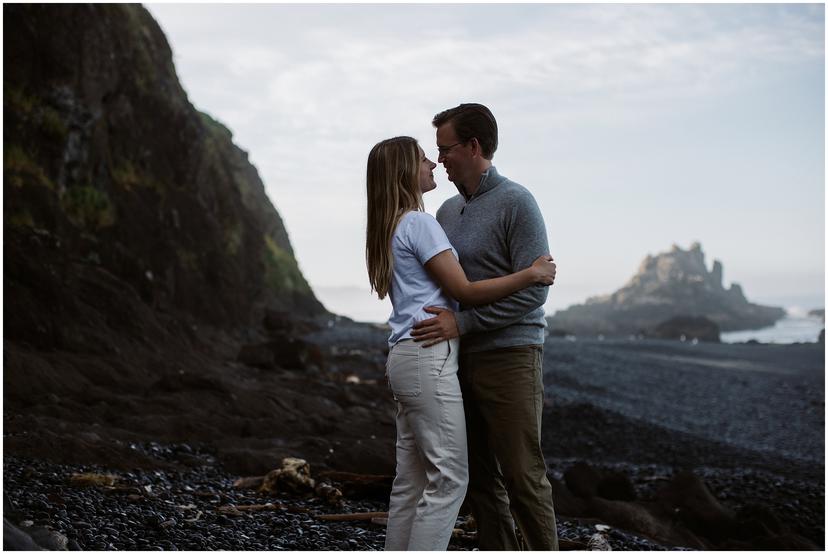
{"x":496,"y":231}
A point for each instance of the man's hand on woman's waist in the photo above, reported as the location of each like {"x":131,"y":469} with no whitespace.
{"x":436,"y":329}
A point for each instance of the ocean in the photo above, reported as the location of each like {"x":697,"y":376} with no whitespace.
{"x":360,"y":305}
{"x":790,"y":329}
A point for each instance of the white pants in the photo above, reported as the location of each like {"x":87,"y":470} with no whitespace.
{"x":432,"y":462}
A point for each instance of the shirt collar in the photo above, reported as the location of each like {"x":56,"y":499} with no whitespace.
{"x":489,"y":179}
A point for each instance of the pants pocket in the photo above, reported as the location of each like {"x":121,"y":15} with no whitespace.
{"x":447,"y":356}
{"x":445,"y":365}
{"x":404,"y":372}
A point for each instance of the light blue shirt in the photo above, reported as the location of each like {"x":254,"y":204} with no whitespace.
{"x":417,"y":239}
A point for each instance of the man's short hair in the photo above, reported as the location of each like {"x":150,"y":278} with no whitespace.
{"x":471,"y":121}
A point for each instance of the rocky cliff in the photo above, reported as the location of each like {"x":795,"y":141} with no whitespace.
{"x":144,"y":263}
{"x":104,"y":153}
{"x":671,"y":284}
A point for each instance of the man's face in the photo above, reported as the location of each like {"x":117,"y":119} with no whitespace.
{"x":453,"y":155}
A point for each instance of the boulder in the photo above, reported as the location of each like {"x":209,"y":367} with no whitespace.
{"x":585,"y":481}
{"x":689,"y":499}
{"x":15,"y":538}
{"x":257,"y":355}
{"x":615,"y":485}
{"x":582,"y":479}
{"x":686,"y":328}
{"x":48,"y":538}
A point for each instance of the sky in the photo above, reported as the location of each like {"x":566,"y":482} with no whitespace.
{"x":636,"y":127}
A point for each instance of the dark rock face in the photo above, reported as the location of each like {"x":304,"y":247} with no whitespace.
{"x":105,"y":156}
{"x":671,"y":284}
{"x":151,"y":293}
{"x":687,"y":327}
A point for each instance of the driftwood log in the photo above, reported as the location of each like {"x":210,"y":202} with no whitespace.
{"x":232,"y":509}
{"x":356,"y":516}
{"x":357,"y":485}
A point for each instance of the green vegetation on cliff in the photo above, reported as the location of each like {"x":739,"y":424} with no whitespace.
{"x":281,"y":270}
{"x":104,"y":152}
{"x":88,"y":207}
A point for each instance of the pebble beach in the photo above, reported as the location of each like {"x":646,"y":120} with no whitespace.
{"x":747,"y":419}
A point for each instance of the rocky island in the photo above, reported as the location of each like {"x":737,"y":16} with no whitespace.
{"x":669,"y":285}
{"x":172,"y":382}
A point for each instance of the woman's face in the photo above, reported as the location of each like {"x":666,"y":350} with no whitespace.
{"x":426,"y":172}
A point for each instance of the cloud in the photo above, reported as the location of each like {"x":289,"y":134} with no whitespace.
{"x":624,"y":53}
{"x":309,"y":89}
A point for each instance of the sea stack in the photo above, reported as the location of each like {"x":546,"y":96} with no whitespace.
{"x":671,"y":284}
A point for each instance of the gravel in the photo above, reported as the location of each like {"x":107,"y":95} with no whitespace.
{"x":179,"y":510}
{"x":747,"y":419}
{"x":766,"y":398}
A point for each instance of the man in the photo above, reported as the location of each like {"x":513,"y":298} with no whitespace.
{"x":496,"y":227}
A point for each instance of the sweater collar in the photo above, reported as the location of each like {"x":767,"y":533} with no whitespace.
{"x":489,"y":179}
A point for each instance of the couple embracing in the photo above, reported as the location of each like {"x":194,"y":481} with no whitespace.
{"x":466,"y":344}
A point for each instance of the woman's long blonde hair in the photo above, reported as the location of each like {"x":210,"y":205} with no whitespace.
{"x":393,"y":185}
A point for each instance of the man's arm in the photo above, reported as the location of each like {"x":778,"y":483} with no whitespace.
{"x":526,"y":240}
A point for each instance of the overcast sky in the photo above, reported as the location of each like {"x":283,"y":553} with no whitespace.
{"x":635,"y":126}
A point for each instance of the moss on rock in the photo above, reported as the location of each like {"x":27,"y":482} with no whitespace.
{"x":51,"y":124}
{"x":20,"y":219}
{"x":281,"y":270}
{"x":233,"y":238}
{"x":20,"y":169}
{"x":88,"y":207}
{"x":16,"y":100}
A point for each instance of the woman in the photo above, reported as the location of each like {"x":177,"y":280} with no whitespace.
{"x":410,"y":258}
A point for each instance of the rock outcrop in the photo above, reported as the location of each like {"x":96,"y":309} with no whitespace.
{"x":686,"y":328}
{"x":104,"y":154}
{"x":671,"y":284}
{"x":151,"y":292}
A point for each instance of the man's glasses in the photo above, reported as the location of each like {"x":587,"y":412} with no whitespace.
{"x":443,"y":150}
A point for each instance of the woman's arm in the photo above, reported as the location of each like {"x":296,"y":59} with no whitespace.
{"x":446,"y":270}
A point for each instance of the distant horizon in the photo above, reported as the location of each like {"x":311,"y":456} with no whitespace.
{"x":348,"y":296}
{"x":634,"y":126}
{"x":359,"y":304}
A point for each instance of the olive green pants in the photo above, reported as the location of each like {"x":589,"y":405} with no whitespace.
{"x":503,"y":399}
